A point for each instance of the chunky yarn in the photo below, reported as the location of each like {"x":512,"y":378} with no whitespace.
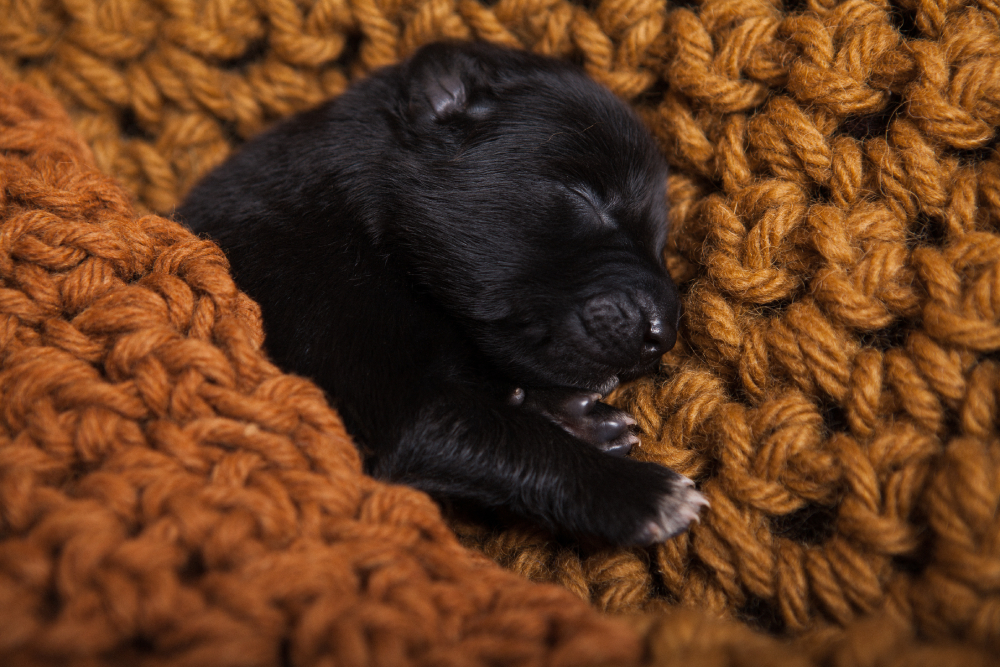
{"x":836,"y":230}
{"x":166,"y":495}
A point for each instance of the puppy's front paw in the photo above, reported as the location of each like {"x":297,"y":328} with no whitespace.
{"x":584,"y":415}
{"x":636,"y":503}
{"x":675,"y":511}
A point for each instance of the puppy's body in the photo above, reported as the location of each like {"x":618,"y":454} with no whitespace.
{"x":465,"y":251}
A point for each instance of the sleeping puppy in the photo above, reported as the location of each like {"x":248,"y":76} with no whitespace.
{"x":466,"y":252}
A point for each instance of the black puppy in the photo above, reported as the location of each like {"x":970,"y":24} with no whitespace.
{"x":465,"y":251}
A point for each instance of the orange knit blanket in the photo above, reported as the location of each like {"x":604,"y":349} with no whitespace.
{"x":168,"y":496}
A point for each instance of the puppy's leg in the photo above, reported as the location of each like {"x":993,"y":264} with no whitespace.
{"x":583,"y":415}
{"x":469,"y":446}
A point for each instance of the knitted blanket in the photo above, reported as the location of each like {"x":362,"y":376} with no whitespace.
{"x":169,"y":496}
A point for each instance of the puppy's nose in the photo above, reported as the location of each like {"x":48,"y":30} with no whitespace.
{"x":659,"y":337}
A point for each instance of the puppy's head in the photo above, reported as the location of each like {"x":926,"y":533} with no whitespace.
{"x":535,"y":213}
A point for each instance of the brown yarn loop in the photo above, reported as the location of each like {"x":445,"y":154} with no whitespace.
{"x":166,"y":495}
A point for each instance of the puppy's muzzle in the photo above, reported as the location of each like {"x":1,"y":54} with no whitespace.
{"x":628,"y":330}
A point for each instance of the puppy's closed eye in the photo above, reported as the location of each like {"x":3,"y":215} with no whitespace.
{"x":598,"y":211}
{"x":465,"y":251}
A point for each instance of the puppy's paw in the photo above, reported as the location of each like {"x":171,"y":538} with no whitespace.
{"x":635,"y":503}
{"x":583,"y":415}
{"x":675,"y":511}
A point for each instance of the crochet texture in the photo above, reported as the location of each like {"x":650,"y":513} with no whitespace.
{"x":166,"y":494}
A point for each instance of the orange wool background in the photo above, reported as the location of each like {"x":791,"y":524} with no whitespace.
{"x":168,"y":496}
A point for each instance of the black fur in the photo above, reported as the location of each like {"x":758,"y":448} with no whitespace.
{"x":465,"y":251}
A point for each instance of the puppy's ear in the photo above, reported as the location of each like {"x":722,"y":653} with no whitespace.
{"x":447,"y":83}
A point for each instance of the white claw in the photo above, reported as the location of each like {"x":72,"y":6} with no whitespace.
{"x":516,"y":397}
{"x":677,"y":512}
